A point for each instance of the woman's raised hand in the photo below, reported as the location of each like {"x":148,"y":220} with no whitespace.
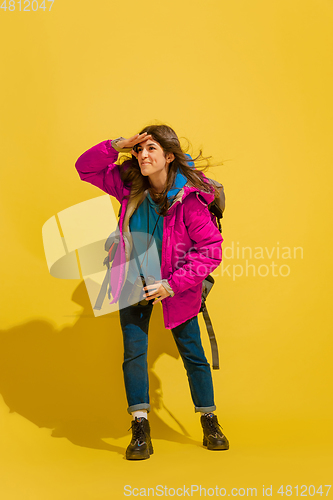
{"x":132,"y":141}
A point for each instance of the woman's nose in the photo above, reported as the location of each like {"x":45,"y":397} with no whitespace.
{"x":144,"y":153}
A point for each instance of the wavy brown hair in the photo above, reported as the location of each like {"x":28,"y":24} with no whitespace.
{"x":168,"y":140}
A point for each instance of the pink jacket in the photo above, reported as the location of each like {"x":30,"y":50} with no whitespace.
{"x":191,"y":246}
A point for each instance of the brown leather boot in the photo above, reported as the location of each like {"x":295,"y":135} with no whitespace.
{"x":213,"y":437}
{"x":140,"y":446}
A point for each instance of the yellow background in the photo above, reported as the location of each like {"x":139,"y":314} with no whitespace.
{"x":250,"y":83}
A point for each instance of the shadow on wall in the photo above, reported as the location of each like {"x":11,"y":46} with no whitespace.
{"x":71,"y":380}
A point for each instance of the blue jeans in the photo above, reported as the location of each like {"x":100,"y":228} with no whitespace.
{"x":134,"y":322}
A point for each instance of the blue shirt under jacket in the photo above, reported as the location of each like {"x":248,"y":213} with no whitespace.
{"x":139,"y":229}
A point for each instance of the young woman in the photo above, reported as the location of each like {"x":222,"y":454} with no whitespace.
{"x":163,"y":197}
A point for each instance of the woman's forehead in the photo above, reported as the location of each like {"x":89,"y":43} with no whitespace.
{"x":147,"y":142}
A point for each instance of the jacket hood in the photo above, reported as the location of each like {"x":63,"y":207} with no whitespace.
{"x":183,"y":187}
{"x":188,"y":188}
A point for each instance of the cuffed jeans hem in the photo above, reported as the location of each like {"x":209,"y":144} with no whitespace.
{"x":140,"y":406}
{"x":204,"y":409}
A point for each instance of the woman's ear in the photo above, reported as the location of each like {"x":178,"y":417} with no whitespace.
{"x":170,"y":157}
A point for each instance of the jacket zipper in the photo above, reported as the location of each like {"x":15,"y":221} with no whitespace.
{"x":165,"y":231}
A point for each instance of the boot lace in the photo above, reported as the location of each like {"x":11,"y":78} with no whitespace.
{"x":138,"y":430}
{"x":213,"y":425}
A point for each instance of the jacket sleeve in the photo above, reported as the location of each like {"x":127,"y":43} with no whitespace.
{"x":206,"y":252}
{"x":97,"y":166}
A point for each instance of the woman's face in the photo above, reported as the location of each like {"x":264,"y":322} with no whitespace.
{"x":151,"y":157}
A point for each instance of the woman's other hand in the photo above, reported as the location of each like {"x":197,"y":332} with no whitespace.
{"x":156,"y":291}
{"x":132,"y":141}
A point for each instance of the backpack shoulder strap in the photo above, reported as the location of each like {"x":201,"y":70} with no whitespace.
{"x":217,"y":206}
{"x":212,"y":338}
{"x":207,"y":284}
